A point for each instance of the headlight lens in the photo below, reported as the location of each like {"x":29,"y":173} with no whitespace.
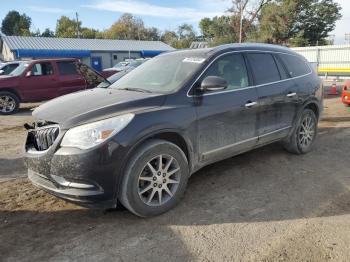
{"x":90,"y":135}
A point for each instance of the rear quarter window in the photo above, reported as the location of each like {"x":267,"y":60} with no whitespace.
{"x":295,"y":65}
{"x":264,"y":68}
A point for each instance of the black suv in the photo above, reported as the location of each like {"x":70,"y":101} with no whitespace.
{"x":138,"y":141}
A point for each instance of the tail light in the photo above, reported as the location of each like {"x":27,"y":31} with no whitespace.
{"x":346,"y":88}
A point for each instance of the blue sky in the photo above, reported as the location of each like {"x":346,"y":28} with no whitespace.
{"x":100,"y":14}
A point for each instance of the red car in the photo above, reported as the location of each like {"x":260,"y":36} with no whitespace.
{"x":44,"y":79}
{"x":345,"y":96}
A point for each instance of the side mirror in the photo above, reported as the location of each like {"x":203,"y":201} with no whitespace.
{"x":1,"y":72}
{"x":29,"y":74}
{"x":213,"y":83}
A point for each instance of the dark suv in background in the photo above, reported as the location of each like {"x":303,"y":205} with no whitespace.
{"x":44,"y":79}
{"x":138,"y":141}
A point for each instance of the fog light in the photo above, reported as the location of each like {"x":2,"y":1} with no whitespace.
{"x":346,"y":97}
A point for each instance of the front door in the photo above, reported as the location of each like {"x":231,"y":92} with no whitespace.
{"x":40,"y":82}
{"x":96,"y":63}
{"x":227,"y":120}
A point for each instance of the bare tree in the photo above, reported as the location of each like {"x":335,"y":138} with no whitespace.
{"x":247,"y":12}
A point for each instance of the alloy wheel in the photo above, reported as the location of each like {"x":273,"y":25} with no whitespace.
{"x":306,"y":131}
{"x":7,"y":104}
{"x":159,"y":180}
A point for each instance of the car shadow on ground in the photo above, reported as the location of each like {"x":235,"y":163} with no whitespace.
{"x":267,"y":184}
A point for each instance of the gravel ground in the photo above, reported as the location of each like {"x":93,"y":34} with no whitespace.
{"x":265,"y":205}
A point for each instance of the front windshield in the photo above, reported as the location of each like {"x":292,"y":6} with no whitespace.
{"x":20,"y":69}
{"x":162,"y":74}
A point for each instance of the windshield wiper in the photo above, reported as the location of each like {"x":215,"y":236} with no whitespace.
{"x":135,"y":89}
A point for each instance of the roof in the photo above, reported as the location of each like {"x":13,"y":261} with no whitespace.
{"x":51,"y":43}
{"x":253,"y":47}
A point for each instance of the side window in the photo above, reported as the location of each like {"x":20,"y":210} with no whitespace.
{"x":9,"y":68}
{"x":42,"y":69}
{"x":67,"y":68}
{"x":264,"y":68}
{"x":230,"y":67}
{"x":281,"y":69}
{"x":295,"y":65}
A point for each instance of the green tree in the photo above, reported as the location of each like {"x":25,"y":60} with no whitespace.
{"x":16,"y":24}
{"x":186,"y":35}
{"x":88,"y":33}
{"x":219,"y":30}
{"x":318,"y":20}
{"x":151,"y":34}
{"x":127,"y":27}
{"x":67,"y":27}
{"x":48,"y":33}
{"x":298,"y":22}
{"x":169,"y":37}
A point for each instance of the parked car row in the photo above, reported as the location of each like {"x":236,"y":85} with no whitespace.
{"x":125,"y":70}
{"x":44,"y":79}
{"x":124,"y":65}
{"x":40,"y":80}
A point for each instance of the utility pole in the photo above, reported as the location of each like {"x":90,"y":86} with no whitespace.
{"x":241,"y":22}
{"x":77,"y":17}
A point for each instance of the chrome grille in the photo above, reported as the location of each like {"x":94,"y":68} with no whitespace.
{"x":42,"y":138}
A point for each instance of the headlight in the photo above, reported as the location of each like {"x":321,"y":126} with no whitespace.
{"x":90,"y":135}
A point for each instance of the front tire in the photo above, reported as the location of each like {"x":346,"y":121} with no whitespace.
{"x":303,"y":135}
{"x":155,"y":179}
{"x":9,"y":103}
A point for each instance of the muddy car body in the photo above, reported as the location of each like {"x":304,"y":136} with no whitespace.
{"x":138,"y":141}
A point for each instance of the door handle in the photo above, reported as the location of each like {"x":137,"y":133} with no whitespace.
{"x":291,"y":94}
{"x":250,"y":104}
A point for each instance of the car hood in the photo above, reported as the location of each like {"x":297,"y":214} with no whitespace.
{"x":95,"y":104}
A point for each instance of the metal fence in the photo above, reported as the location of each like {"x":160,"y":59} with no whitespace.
{"x":330,"y":60}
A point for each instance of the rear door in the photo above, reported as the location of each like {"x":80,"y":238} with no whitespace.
{"x":273,"y":85}
{"x":69,"y":79}
{"x":39,"y":82}
{"x":227,"y":120}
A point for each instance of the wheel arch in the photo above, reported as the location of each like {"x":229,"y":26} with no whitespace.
{"x":170,"y":135}
{"x":11,"y":90}
{"x":314,"y":106}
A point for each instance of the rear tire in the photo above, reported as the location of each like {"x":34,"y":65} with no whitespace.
{"x":304,"y":133}
{"x":155,"y":178}
{"x":9,"y":103}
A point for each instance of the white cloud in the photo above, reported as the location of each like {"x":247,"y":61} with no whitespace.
{"x":53,"y":10}
{"x":142,"y":8}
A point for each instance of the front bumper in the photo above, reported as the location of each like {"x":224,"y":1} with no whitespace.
{"x":84,"y":197}
{"x":86,"y":177}
{"x":345,"y":97}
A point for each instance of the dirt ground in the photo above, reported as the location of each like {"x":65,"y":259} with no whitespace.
{"x":265,"y":205}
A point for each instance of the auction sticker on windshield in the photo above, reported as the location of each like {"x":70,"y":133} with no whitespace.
{"x":197,"y":60}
